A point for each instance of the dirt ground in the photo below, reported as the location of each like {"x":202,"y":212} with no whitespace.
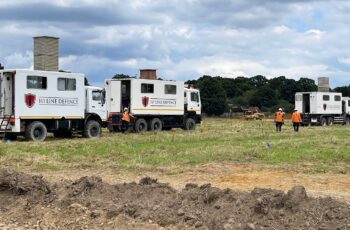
{"x":244,"y":177}
{"x":180,"y":198}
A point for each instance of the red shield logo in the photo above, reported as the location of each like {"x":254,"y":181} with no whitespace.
{"x":145,"y":101}
{"x":29,"y":100}
{"x":324,"y":106}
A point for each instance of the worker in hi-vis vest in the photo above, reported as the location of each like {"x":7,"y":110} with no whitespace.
{"x":296,"y":119}
{"x":126,"y":119}
{"x":279,"y":119}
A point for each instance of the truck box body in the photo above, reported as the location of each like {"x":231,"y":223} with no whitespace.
{"x":145,"y":97}
{"x":319,"y":102}
{"x":33,"y":95}
{"x":323,"y":108}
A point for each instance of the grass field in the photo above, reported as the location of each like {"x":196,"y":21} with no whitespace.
{"x":312,"y":150}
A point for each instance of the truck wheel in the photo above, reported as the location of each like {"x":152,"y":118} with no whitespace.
{"x":323,"y":121}
{"x":140,"y":125}
{"x":92,"y":129}
{"x":155,"y":125}
{"x":190,"y":124}
{"x":329,"y":121}
{"x":36,"y":131}
{"x":347,"y":121}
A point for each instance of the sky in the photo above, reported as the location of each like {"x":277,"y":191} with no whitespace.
{"x":184,"y":39}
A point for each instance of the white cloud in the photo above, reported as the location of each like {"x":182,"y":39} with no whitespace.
{"x":344,"y":60}
{"x":281,"y":29}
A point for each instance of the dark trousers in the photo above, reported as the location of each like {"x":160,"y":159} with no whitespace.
{"x":296,"y":126}
{"x":279,"y":126}
{"x":125,"y":126}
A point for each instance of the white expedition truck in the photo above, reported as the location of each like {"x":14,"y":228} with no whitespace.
{"x":323,"y":108}
{"x":155,"y":104}
{"x":33,"y":103}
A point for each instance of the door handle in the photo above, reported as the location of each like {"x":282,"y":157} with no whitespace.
{"x":93,"y":106}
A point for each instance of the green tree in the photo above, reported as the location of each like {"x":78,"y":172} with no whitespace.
{"x":213,"y":95}
{"x":264,"y":97}
{"x":306,"y":85}
{"x":118,"y":76}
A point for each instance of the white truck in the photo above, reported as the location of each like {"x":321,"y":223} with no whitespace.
{"x":323,"y":108}
{"x":155,"y":104}
{"x":33,"y":103}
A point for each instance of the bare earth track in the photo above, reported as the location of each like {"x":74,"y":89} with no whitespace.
{"x":31,"y":202}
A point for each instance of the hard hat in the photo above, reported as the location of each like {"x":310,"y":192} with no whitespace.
{"x":126,"y":109}
{"x":280,"y":109}
{"x":295,"y":109}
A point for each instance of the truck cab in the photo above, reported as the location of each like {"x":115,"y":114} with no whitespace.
{"x":192,"y":101}
{"x":95,"y":102}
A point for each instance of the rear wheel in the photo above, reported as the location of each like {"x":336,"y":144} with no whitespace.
{"x":330,"y":121}
{"x":36,"y":131}
{"x":323,"y":121}
{"x":190,"y":124}
{"x":140,"y":125}
{"x":92,"y":129}
{"x":155,"y":125}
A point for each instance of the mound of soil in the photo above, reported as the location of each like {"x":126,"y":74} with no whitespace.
{"x":90,"y":203}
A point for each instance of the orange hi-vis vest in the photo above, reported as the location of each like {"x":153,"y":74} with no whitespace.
{"x":296,"y":118}
{"x":126,"y":117}
{"x":279,"y":116}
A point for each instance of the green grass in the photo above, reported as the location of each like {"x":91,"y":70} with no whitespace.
{"x":312,"y":150}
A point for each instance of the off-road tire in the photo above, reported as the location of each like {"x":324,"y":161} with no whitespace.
{"x":92,"y":129}
{"x":323,"y":121}
{"x":140,"y":125}
{"x":347,"y":121}
{"x":155,"y":125}
{"x":190,"y":124}
{"x":330,"y":121}
{"x":36,"y":131}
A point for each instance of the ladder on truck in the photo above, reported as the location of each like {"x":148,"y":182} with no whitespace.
{"x":4,"y":125}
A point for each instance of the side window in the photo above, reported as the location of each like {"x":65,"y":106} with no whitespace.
{"x":170,"y":89}
{"x":96,"y":95}
{"x":147,"y":88}
{"x":36,"y":82}
{"x":66,"y":84}
{"x":349,"y":103}
{"x":326,"y":97}
{"x":337,"y":98}
{"x":194,"y":97}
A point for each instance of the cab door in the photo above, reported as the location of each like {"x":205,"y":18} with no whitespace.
{"x":97,"y":103}
{"x":193,"y":101}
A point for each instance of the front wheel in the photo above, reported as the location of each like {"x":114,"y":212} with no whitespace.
{"x":190,"y":124}
{"x":92,"y":129}
{"x":347,"y":121}
{"x":36,"y":131}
